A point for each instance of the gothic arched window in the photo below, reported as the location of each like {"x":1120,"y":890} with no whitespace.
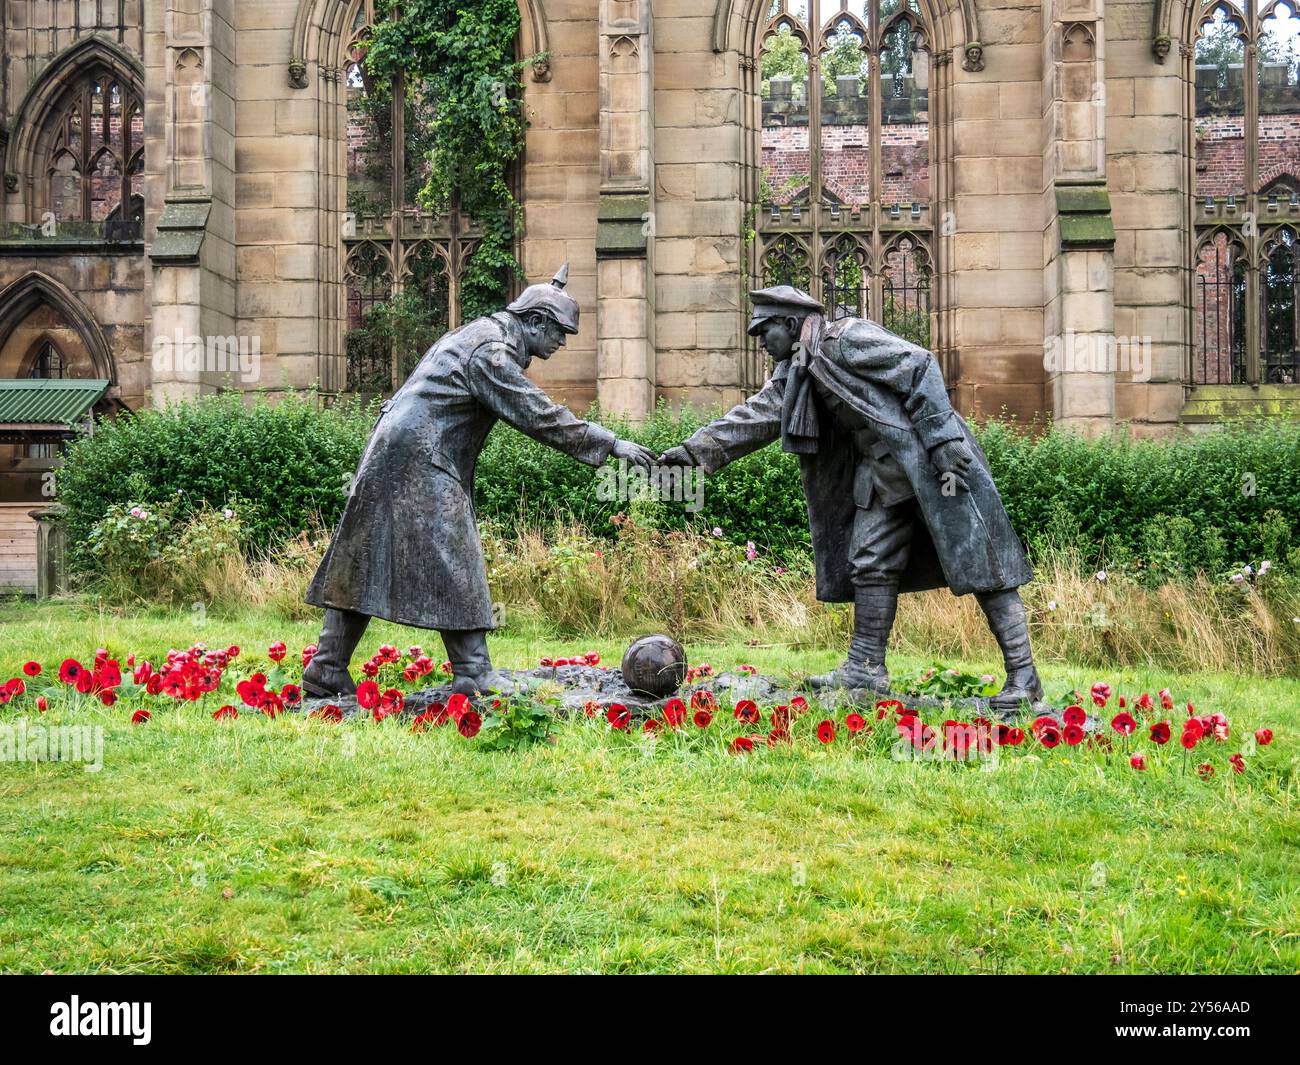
{"x":94,"y":165}
{"x":402,"y":264}
{"x":844,"y":158}
{"x":1246,"y":78}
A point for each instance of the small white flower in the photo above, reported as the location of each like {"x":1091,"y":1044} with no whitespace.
{"x":228,"y":513}
{"x":717,"y":531}
{"x":1101,"y":576}
{"x":1237,"y":578}
{"x":136,"y":512}
{"x":1247,"y":571}
{"x":1264,"y":567}
{"x":1051,"y":604}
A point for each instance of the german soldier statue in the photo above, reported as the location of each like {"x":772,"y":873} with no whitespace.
{"x":899,"y":493}
{"x":407,"y":547}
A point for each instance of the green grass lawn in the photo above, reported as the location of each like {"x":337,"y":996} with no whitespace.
{"x":293,"y":845}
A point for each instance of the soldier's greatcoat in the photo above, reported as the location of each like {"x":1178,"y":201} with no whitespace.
{"x":407,"y":547}
{"x":964,"y":540}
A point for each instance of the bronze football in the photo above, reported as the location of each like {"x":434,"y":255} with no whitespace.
{"x":654,"y":665}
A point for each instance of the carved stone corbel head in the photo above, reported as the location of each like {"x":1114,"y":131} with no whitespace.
{"x":297,"y":74}
{"x":974,"y":56}
{"x":541,"y":68}
{"x":11,"y":182}
{"x":1160,"y":47}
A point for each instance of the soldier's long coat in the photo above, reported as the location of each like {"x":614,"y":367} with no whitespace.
{"x":407,"y":547}
{"x":965,"y":541}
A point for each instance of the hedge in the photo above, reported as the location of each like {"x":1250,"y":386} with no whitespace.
{"x":1186,"y":502}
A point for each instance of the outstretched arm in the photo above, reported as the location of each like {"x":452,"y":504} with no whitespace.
{"x":743,"y":429}
{"x":497,"y":381}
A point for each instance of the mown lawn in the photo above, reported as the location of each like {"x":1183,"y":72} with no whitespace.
{"x":292,"y":845}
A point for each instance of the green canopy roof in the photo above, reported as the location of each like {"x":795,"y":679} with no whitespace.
{"x":38,"y":402}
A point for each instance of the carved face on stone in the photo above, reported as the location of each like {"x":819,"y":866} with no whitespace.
{"x":543,"y":336}
{"x":778,"y":336}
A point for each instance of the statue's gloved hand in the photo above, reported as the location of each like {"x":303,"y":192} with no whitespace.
{"x":633,"y":453}
{"x":676,"y":456}
{"x":953,"y":461}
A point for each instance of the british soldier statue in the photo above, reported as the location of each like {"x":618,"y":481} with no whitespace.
{"x":898,"y":491}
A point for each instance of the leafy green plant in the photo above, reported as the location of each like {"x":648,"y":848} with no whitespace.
{"x":513,"y":725}
{"x":462,"y":58}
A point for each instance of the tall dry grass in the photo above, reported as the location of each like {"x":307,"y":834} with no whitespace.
{"x":567,"y":582}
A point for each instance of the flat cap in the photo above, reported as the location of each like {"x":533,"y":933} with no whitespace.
{"x":780,"y":301}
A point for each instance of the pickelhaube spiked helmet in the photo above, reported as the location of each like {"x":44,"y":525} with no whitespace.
{"x":550,"y":298}
{"x":780,"y":301}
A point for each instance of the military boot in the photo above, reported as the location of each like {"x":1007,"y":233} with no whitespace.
{"x":874,"y":607}
{"x":471,"y":666}
{"x":1006,"y":616}
{"x":326,"y":675}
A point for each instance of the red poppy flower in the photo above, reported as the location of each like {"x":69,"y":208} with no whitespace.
{"x":457,"y":705}
{"x":277,"y":651}
{"x":777,"y":735}
{"x":69,"y":671}
{"x":591,"y":708}
{"x":1264,"y":736}
{"x":1002,"y":735}
{"x":855,"y":722}
{"x":593,"y":658}
{"x":1189,"y":740}
{"x":742,"y":745}
{"x":108,"y":674}
{"x":108,"y":697}
{"x":826,"y":731}
{"x":367,"y":695}
{"x":1160,"y":732}
{"x":469,"y":724}
{"x":1074,"y":715}
{"x":85,"y":682}
{"x":1138,"y":762}
{"x":1073,"y":735}
{"x":1144,"y":702}
{"x":1049,"y":736}
{"x":703,"y":718}
{"x":884,"y":706}
{"x":652,"y":724}
{"x":140,"y":717}
{"x":1124,"y":723}
{"x":703,"y":700}
{"x":1192,"y":732}
{"x":675,"y":712}
{"x":308,"y":653}
{"x":1017,"y":737}
{"x":618,"y":715}
{"x":781,"y":717}
{"x":1238,"y":763}
{"x":16,"y":686}
{"x":1205,"y":770}
{"x":272,"y":705}
{"x":747,"y":711}
{"x":1042,"y":722}
{"x":328,"y":712}
{"x":799,"y":704}
{"x":1166,"y":699}
{"x":546,"y":663}
{"x":32,"y":669}
{"x":291,"y":694}
{"x":41,"y":704}
{"x":225,"y":713}
{"x":391,"y":702}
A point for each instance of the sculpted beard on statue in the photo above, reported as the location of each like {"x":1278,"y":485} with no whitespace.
{"x":899,"y":493}
{"x":407,"y":546}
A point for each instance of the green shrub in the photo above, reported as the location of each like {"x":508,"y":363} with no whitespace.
{"x":285,"y":465}
{"x":160,"y":553}
{"x":1161,"y":508}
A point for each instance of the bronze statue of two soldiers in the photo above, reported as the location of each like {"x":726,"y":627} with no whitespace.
{"x":899,"y":494}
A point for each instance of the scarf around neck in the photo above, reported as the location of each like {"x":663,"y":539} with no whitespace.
{"x":799,"y":423}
